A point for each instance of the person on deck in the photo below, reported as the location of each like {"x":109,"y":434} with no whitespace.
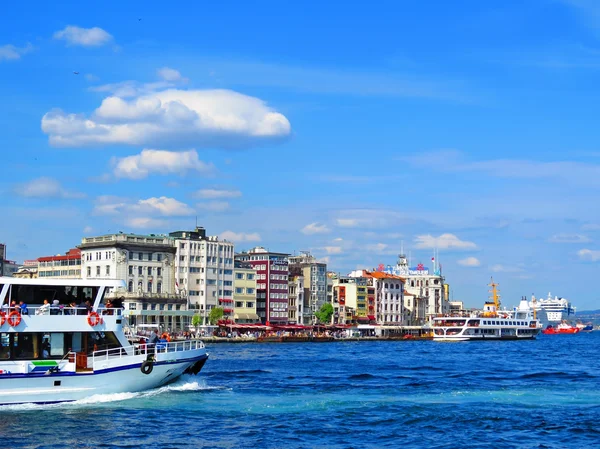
{"x":44,"y":309}
{"x":24,"y":309}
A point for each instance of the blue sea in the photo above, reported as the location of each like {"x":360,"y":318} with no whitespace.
{"x":405,"y":394}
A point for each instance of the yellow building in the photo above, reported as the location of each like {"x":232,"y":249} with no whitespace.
{"x":244,"y":294}
{"x":349,"y":299}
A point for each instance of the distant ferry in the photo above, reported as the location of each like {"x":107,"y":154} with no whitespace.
{"x":552,"y":311}
{"x":489,"y":324}
{"x":67,"y":352}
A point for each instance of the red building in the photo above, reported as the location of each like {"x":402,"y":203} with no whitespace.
{"x":63,"y":266}
{"x":272,"y":274}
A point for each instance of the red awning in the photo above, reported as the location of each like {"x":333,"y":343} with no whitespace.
{"x":371,"y":317}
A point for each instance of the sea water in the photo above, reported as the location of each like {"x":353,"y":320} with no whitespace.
{"x":397,"y":394}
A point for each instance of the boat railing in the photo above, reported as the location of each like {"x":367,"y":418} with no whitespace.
{"x":146,"y":349}
{"x":63,"y":310}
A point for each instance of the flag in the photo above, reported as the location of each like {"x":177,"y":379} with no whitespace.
{"x":433,"y":259}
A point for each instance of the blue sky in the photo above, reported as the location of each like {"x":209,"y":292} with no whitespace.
{"x":343,"y":129}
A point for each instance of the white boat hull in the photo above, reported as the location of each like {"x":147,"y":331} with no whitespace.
{"x":68,"y":386}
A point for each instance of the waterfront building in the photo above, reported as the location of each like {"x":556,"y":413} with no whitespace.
{"x":244,"y":293}
{"x":315,"y":284}
{"x":349,"y":299}
{"x":29,"y":270}
{"x":389,"y":298}
{"x":146,"y":264}
{"x":425,"y":285}
{"x":295,"y":298}
{"x":204,"y":271}
{"x":272,"y":283}
{"x":60,"y":266}
{"x":7,"y":267}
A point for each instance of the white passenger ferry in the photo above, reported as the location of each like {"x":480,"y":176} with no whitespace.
{"x":71,"y":351}
{"x":489,"y":324}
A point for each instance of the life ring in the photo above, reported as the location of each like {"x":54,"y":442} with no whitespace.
{"x":165,"y":336}
{"x":2,"y":318}
{"x":14,"y":318}
{"x":93,"y":319}
{"x":147,"y":367}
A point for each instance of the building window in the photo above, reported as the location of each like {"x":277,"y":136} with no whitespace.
{"x":130,"y":287}
{"x":132,"y":306}
{"x":130,"y":270}
{"x":150,"y":256}
{"x":130,"y":255}
{"x":159,"y":271}
{"x":89,"y":271}
{"x":108,"y":270}
{"x":239,"y":275}
{"x":159,"y":287}
{"x":149,"y":271}
{"x":239,"y":304}
{"x":149,"y":287}
{"x":140,"y":270}
{"x":239,"y":291}
{"x":159,"y":257}
{"x":141,"y":256}
{"x":98,"y":270}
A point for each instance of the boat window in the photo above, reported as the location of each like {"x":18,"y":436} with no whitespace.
{"x":4,"y":346}
{"x":24,"y":346}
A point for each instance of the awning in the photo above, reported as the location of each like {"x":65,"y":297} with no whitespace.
{"x":371,"y":317}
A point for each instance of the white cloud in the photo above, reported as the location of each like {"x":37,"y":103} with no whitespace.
{"x":214,"y":206}
{"x":338,"y":239}
{"x":85,"y":37}
{"x":217,"y":193}
{"x":470,"y":262}
{"x":10,"y":52}
{"x":240,"y":237}
{"x":498,"y":268}
{"x":88,"y":230}
{"x":151,"y":207}
{"x":590,"y":227}
{"x":377,"y":247}
{"x":325,"y":260}
{"x":589,"y":255}
{"x":208,"y":118}
{"x":333,"y":249}
{"x":348,"y":222}
{"x":45,"y":188}
{"x":569,"y":238}
{"x":169,"y":74}
{"x":145,"y":222}
{"x":315,"y":228}
{"x":371,"y":218}
{"x":444,"y":241}
{"x":163,"y":162}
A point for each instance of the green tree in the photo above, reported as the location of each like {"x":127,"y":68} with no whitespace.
{"x":215,"y":315}
{"x":324,"y":313}
{"x":196,"y":320}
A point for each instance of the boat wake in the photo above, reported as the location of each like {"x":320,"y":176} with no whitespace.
{"x":185,"y":384}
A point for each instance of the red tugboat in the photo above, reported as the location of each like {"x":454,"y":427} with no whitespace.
{"x":562,"y":328}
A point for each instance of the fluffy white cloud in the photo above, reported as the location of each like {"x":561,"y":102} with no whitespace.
{"x":45,"y":187}
{"x":88,"y":230}
{"x":145,"y":222}
{"x":333,"y":249}
{"x":220,"y":118}
{"x":211,"y":194}
{"x":444,"y":241}
{"x":589,"y":255}
{"x":169,"y":74}
{"x":470,"y":262}
{"x":590,"y":227}
{"x":240,"y":236}
{"x":163,"y":162}
{"x":569,"y":238}
{"x":214,"y":206}
{"x":10,"y":52}
{"x":85,"y":37}
{"x":142,"y":209}
{"x":315,"y":228}
{"x":371,"y":218}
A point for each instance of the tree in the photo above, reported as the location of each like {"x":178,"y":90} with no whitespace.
{"x":215,"y":315}
{"x":324,"y":313}
{"x":196,"y":320}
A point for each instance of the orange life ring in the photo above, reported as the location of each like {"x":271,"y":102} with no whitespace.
{"x":2,"y":318}
{"x":165,"y":336}
{"x":14,"y":318}
{"x":93,"y":319}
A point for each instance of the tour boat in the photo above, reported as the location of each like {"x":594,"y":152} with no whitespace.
{"x":562,"y":328}
{"x":489,"y":324}
{"x":66,"y":353}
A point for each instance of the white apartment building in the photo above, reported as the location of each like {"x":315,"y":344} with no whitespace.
{"x":204,"y":271}
{"x":295,"y":299}
{"x":315,"y":284}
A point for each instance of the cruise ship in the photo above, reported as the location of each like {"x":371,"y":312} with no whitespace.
{"x":552,"y":311}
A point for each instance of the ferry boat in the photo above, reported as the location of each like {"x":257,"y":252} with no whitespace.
{"x":552,"y":310}
{"x":74,"y":350}
{"x":489,"y":324}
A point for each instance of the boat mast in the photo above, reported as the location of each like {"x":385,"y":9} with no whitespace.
{"x":494,"y":291}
